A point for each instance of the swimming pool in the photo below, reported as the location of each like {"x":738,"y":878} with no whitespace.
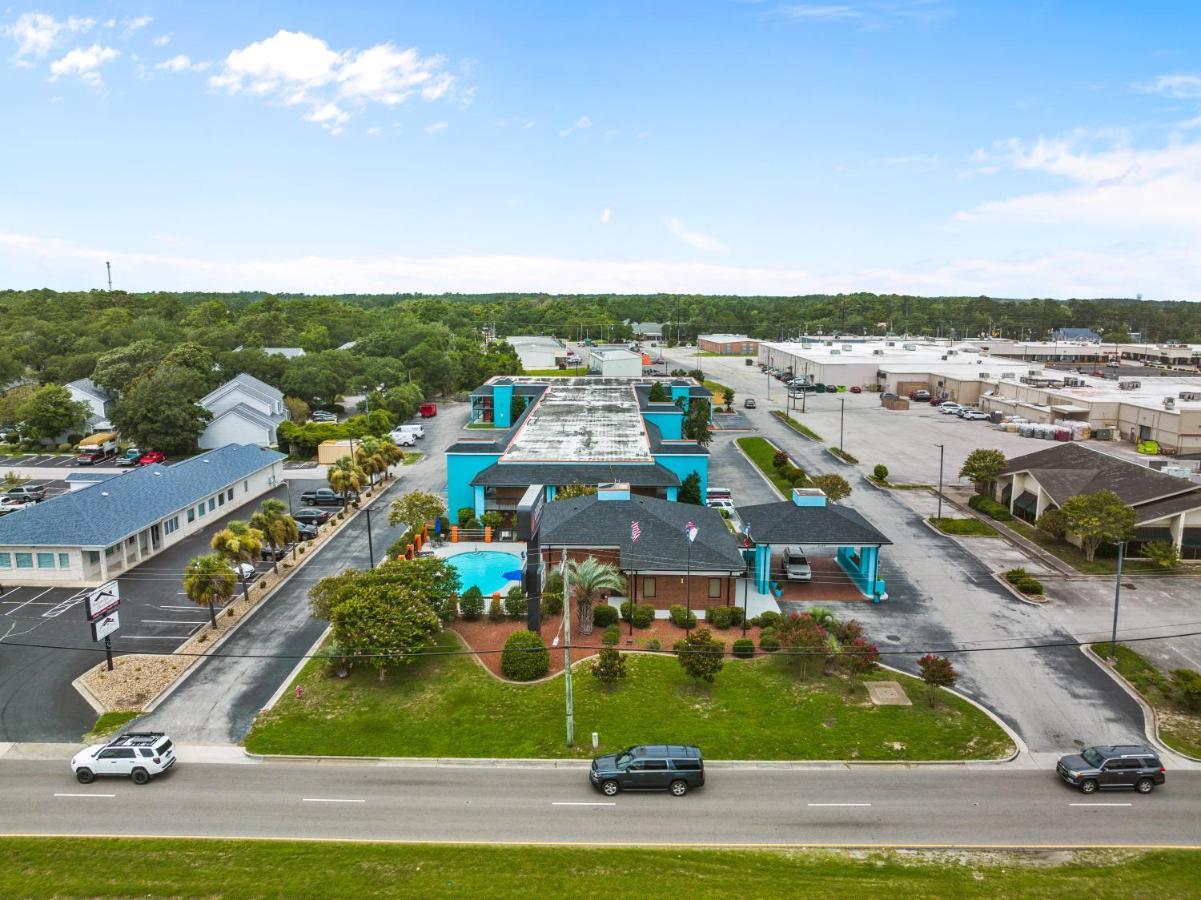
{"x":485,"y":569}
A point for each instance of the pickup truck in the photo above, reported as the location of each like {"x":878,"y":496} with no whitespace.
{"x":321,"y":497}
{"x":129,"y":458}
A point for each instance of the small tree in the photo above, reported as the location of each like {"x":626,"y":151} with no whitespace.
{"x":858,"y":657}
{"x":803,"y":639}
{"x":415,"y":509}
{"x":1098,"y":517}
{"x":880,"y":473}
{"x":1163,"y":553}
{"x":472,"y":604}
{"x":384,"y":630}
{"x":493,"y":519}
{"x":701,"y":656}
{"x":524,"y":657}
{"x":570,"y":491}
{"x":346,"y":477}
{"x":696,"y":421}
{"x":517,"y":604}
{"x":834,"y":486}
{"x":658,"y":393}
{"x":1052,"y":523}
{"x":937,"y":671}
{"x":209,"y":581}
{"x":727,"y":397}
{"x":780,"y":460}
{"x":609,"y":667}
{"x":238,"y":543}
{"x":690,"y":489}
{"x":588,"y":578}
{"x":278,"y":528}
{"x":983,"y":467}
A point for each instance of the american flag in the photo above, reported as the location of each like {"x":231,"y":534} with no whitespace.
{"x":635,"y":532}
{"x":690,"y":529}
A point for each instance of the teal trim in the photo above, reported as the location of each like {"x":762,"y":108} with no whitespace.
{"x":762,"y":568}
{"x":678,"y":391}
{"x":862,"y":568}
{"x":685,"y":464}
{"x":502,"y":405}
{"x":673,"y":494}
{"x":479,"y":501}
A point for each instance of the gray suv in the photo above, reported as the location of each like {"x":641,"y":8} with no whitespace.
{"x":649,"y":767}
{"x":1111,"y":768}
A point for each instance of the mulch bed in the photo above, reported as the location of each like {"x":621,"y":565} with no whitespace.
{"x":484,"y":635}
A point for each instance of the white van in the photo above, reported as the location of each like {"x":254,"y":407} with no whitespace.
{"x":418,"y":431}
{"x":403,"y":438}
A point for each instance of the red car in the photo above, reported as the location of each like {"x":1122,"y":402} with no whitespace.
{"x":151,"y":456}
{"x":856,"y":389}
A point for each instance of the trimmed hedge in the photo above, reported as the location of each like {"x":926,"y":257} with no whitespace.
{"x":719,"y":617}
{"x":611,"y":636}
{"x":990,"y":508}
{"x":471,"y":605}
{"x":766,"y":620}
{"x":604,"y":615}
{"x":744,"y":648}
{"x":525,"y":657}
{"x":678,"y":614}
{"x":1029,"y":586}
{"x":644,"y":615}
{"x":768,"y":641}
{"x":736,"y":615}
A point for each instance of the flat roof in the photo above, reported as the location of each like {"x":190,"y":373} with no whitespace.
{"x":724,"y":338}
{"x":540,"y":340}
{"x":1150,"y":393}
{"x":615,"y":353}
{"x":582,"y":420}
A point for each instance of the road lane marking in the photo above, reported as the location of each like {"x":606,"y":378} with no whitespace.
{"x":64,"y":606}
{"x":329,"y":800}
{"x":838,"y":804}
{"x":174,"y":622}
{"x":85,"y":795}
{"x":27,"y":602}
{"x":1100,"y":804}
{"x":584,"y":803}
{"x":154,"y":637}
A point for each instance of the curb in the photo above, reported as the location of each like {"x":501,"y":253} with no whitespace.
{"x":842,"y":462}
{"x":1003,"y":582}
{"x":1150,"y":719}
{"x":291,"y":676}
{"x":780,"y":418}
{"x":91,"y":699}
{"x":775,"y":490}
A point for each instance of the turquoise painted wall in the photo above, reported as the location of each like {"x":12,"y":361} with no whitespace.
{"x":864,"y":570}
{"x":685,"y":465}
{"x":460,"y":469}
{"x":670,"y":423}
{"x":502,"y":405}
{"x":678,"y":391}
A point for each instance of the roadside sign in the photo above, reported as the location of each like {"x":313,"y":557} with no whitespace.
{"x":104,"y":626}
{"x":102,"y":600}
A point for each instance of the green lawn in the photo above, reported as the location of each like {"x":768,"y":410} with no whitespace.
{"x":1179,"y":728}
{"x":964,"y":527}
{"x":449,"y":706}
{"x":149,"y":867}
{"x":718,"y":390}
{"x":107,"y":723}
{"x":1074,"y":556}
{"x":796,"y":425}
{"x":761,"y":453}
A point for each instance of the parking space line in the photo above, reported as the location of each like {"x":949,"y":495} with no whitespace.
{"x":27,"y":602}
{"x":329,"y":800}
{"x":85,"y":795}
{"x":584,"y":803}
{"x":174,"y":622}
{"x":1100,"y":804}
{"x":838,"y":804}
{"x":155,"y":637}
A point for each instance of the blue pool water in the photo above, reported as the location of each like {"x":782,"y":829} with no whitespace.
{"x":485,"y":569}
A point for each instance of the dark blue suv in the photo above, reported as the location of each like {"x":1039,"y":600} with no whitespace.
{"x":649,"y":767}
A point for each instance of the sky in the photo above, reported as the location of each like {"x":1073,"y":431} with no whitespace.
{"x":1017,"y":149}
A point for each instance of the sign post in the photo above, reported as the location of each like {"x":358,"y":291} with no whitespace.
{"x":100,"y":607}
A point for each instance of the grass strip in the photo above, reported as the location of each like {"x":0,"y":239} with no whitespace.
{"x":797,"y":426}
{"x":94,"y":867}
{"x":109,"y":722}
{"x":762,"y":709}
{"x":761,"y":452}
{"x":1179,"y":727}
{"x":576,"y":372}
{"x":964,"y":527}
{"x":1074,"y":556}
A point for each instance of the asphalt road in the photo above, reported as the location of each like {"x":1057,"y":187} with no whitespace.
{"x":218,"y":701}
{"x":888,"y":806}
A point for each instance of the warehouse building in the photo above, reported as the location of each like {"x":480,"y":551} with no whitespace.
{"x":728,"y":344}
{"x":538,"y":351}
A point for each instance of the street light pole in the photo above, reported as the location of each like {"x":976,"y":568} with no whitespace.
{"x":567,"y":651}
{"x":688,"y":590}
{"x":842,"y":413}
{"x":370,"y":547}
{"x":1117,"y":599}
{"x":941,"y":453}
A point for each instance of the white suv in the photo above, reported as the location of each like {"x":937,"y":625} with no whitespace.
{"x":139,"y":755}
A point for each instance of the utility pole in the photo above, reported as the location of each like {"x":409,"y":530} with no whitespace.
{"x":941,"y":453}
{"x":842,"y":414}
{"x":109,"y":268}
{"x":1117,"y":599}
{"x":567,"y":651}
{"x":370,"y":547}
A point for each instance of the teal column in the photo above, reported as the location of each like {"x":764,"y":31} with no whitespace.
{"x":502,"y":403}
{"x":763,"y":568}
{"x":673,"y":493}
{"x":479,"y":501}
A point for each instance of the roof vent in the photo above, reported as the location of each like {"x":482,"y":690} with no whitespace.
{"x":104,"y":493}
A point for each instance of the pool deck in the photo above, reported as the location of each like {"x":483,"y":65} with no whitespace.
{"x":517,"y":548}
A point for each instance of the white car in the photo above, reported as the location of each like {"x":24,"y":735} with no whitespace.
{"x":949,"y":409}
{"x":403,"y":438}
{"x":721,"y":503}
{"x":245,"y":571}
{"x":10,"y":504}
{"x":136,"y":755}
{"x":796,"y":565}
{"x":975,"y":414}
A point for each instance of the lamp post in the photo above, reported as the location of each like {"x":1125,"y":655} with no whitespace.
{"x":941,"y":453}
{"x":370,"y":547}
{"x":842,"y":412}
{"x":570,"y":699}
{"x":688,"y":590}
{"x":1117,"y":599}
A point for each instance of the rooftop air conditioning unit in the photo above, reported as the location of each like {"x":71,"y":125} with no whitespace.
{"x":877,"y":353}
{"x":1169,"y":402}
{"x":952,"y":353}
{"x":846,"y":347}
{"x":1130,"y":385}
{"x":835,"y":352}
{"x":983,"y":374}
{"x":829,"y":343}
{"x":891,"y":343}
{"x":1190,"y":395}
{"x":944,"y":356}
{"x":806,"y":346}
{"x":909,"y":346}
{"x":1008,"y":375}
{"x":1034,"y":373}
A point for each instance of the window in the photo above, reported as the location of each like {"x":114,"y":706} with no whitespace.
{"x":92,"y":557}
{"x":245,"y":486}
{"x":64,"y":560}
{"x":191,"y":514}
{"x":657,"y":765}
{"x":6,"y":561}
{"x":229,"y":495}
{"x":45,"y":560}
{"x":147,"y":752}
{"x":714,"y":588}
{"x":212,"y":504}
{"x":221,"y":499}
{"x":648,"y":588}
{"x":24,"y":560}
{"x":686,"y":765}
{"x":172,"y":524}
{"x":200,"y":510}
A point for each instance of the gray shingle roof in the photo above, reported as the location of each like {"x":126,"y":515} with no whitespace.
{"x":101,"y":515}
{"x":87,"y":386}
{"x":783,"y":522}
{"x":259,"y":388}
{"x":1065,"y":470}
{"x":518,"y":474}
{"x":662,"y":545}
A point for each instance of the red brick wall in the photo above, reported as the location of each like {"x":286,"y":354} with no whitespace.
{"x":670,"y":590}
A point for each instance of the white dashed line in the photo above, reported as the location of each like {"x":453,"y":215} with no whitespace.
{"x":585,"y":803}
{"x":838,"y":804}
{"x":85,"y":795}
{"x":1100,"y":804}
{"x":329,"y":800}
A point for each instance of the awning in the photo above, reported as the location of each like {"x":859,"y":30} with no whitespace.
{"x":1027,"y":502}
{"x":1069,"y":408}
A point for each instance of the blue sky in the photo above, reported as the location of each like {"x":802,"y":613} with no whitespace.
{"x":723,"y":146}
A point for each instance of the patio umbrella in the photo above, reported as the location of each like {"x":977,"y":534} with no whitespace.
{"x":514,"y":575}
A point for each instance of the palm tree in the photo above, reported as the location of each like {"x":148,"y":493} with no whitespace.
{"x":237,"y":542}
{"x":370,"y":457}
{"x":393,"y":455}
{"x":208,"y":580}
{"x":588,"y":578}
{"x":344,"y":476}
{"x":278,"y":528}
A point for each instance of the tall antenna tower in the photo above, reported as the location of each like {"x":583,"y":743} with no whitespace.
{"x":109,"y":267}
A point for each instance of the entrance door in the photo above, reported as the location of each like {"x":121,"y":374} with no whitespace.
{"x":1144,"y":432}
{"x":155,"y":535}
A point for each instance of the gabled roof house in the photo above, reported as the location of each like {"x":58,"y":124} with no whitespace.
{"x":245,"y":411}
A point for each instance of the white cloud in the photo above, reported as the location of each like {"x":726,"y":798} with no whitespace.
{"x":578,"y":125}
{"x":375,"y":131}
{"x":182,"y":63}
{"x":436,"y":127}
{"x":1116,"y":186}
{"x":162,"y":40}
{"x":137,"y":24}
{"x":37,"y":33}
{"x":529,"y":124}
{"x":294,"y":68}
{"x":807,"y":12}
{"x":607,"y":216}
{"x":85,"y":63}
{"x":698,"y":240}
{"x":329,"y":116}
{"x":1179,"y":86}
{"x":1163,"y":273}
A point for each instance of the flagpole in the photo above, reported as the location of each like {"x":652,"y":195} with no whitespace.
{"x":688,"y":591}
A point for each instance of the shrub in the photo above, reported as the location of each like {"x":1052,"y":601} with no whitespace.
{"x":610,"y":666}
{"x":719,"y":617}
{"x":768,"y":641}
{"x":644,"y":615}
{"x":627,"y":610}
{"x":1163,"y":553}
{"x":653,"y":644}
{"x":880,"y":472}
{"x":990,"y":508}
{"x":492,"y":519}
{"x":604,"y":615}
{"x":496,"y":610}
{"x":736,"y":615}
{"x":472,"y":604}
{"x":611,"y":636}
{"x":1053,"y":524}
{"x":1188,"y":687}
{"x":744,"y":648}
{"x":1013,"y":576}
{"x":447,"y":609}
{"x":517,"y":604}
{"x":768,"y":619}
{"x":701,"y":656}
{"x":679,"y":614}
{"x":525,"y":657}
{"x":1029,"y":585}
{"x":466,"y":514}
{"x":552,"y":603}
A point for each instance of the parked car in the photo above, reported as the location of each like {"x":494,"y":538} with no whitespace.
{"x":717,"y":493}
{"x":919,"y":396}
{"x":403,"y":438}
{"x":322,"y":497}
{"x":949,"y":408}
{"x":136,"y":755}
{"x":649,"y":767}
{"x":323,"y":415}
{"x":831,"y":389}
{"x":129,"y":458}
{"x":937,"y":401}
{"x":311,"y":516}
{"x":855,"y":389}
{"x":245,"y":571}
{"x":12,"y":504}
{"x":721,"y":503}
{"x":34,"y":492}
{"x":796,"y":565}
{"x":975,"y":414}
{"x":267,"y":553}
{"x":151,"y":456}
{"x":749,"y":403}
{"x":888,"y":395}
{"x":1113,"y":768}
{"x":306,"y":531}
